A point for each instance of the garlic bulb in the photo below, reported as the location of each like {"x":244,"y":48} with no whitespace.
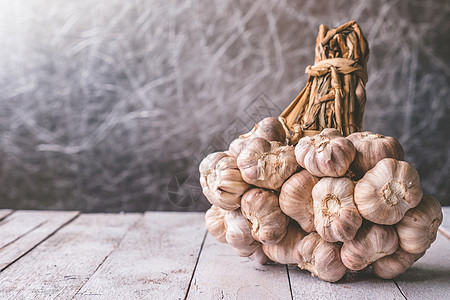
{"x":320,"y":257}
{"x":372,"y":242}
{"x":283,"y":251}
{"x":371,"y":148}
{"x":268,"y":223}
{"x":296,"y":199}
{"x":417,"y":230}
{"x":336,"y":217}
{"x":387,"y":191}
{"x":395,"y":264}
{"x":221,"y":181}
{"x":260,"y":257}
{"x":266,"y":164}
{"x":325,"y":154}
{"x":239,"y":234}
{"x":269,"y":129}
{"x":215,"y":223}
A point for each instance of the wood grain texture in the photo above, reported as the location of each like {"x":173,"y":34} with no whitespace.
{"x":5,"y":212}
{"x":429,"y":277}
{"x":445,"y":226}
{"x":23,"y":230}
{"x":361,"y":285}
{"x":156,"y":260}
{"x":60,"y":266}
{"x":222,"y":274}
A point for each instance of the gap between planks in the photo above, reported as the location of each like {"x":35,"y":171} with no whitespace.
{"x":5,"y":213}
{"x":196,"y":264}
{"x":155,"y":259}
{"x":65,"y":261}
{"x":24,"y":239}
{"x":106,"y":257}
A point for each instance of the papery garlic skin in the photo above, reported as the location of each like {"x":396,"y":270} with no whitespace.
{"x":266,"y":164}
{"x":320,"y":257}
{"x":269,"y":129}
{"x":371,"y":148}
{"x":336,"y":217}
{"x":371,"y":243}
{"x":268,"y":223}
{"x":395,"y":264}
{"x":282,"y":252}
{"x":221,"y":180}
{"x":325,"y":154}
{"x":239,"y":234}
{"x":418,"y":228}
{"x":215,"y":223}
{"x":387,"y":191}
{"x":296,"y":199}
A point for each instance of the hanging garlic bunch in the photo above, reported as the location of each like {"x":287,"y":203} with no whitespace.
{"x":306,"y":189}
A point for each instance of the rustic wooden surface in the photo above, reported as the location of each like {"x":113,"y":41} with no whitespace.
{"x":160,"y":255}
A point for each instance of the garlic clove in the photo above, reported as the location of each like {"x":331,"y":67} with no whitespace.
{"x":371,"y":148}
{"x":268,"y":223}
{"x":418,"y":228}
{"x":239,"y":234}
{"x":282,"y":252}
{"x":395,"y":264}
{"x":320,"y":257}
{"x":371,"y":243}
{"x":215,"y":223}
{"x":269,"y":129}
{"x":336,"y":217}
{"x":221,"y":181}
{"x":296,"y":199}
{"x":266,"y":164}
{"x":260,"y":257}
{"x":239,"y":144}
{"x":325,"y":154}
{"x":387,"y":191}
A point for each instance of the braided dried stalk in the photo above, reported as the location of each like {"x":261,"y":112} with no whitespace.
{"x":334,"y":95}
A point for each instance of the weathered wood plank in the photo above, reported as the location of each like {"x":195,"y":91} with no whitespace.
{"x":155,"y":260}
{"x":5,"y":212}
{"x":23,"y":230}
{"x":59,"y":266}
{"x":429,"y":277}
{"x":361,"y":285}
{"x":445,"y":226}
{"x":222,"y":274}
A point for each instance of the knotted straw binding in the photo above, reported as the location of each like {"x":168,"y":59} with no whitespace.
{"x":334,"y":95}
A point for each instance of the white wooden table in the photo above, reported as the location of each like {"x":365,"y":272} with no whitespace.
{"x":163,"y":255}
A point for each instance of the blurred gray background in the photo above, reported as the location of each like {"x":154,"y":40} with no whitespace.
{"x":110,"y":105}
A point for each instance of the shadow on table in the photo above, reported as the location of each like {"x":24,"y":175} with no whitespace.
{"x":420,"y":274}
